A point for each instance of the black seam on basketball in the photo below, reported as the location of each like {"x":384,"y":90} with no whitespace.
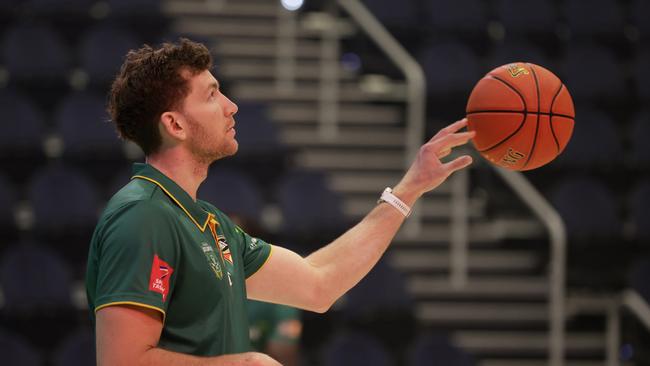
{"x":527,"y":112}
{"x":532,"y":148}
{"x":550,"y":120}
{"x":523,"y":120}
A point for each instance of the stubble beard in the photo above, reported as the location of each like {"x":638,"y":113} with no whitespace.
{"x":202,"y":148}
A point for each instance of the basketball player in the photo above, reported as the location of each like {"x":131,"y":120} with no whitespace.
{"x":168,"y":274}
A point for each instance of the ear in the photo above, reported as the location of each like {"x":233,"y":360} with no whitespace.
{"x":172,"y":125}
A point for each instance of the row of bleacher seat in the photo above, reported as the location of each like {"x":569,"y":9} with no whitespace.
{"x":599,"y":17}
{"x":80,"y":124}
{"x":591,"y":72}
{"x":93,"y":61}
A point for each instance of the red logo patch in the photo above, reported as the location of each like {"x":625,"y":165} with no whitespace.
{"x":160,"y":274}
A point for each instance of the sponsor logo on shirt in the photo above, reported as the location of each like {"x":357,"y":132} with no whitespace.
{"x":213,"y":261}
{"x":160,"y":274}
{"x":253,"y":243}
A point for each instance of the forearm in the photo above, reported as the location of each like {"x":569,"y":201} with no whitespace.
{"x":161,"y":357}
{"x":343,"y":263}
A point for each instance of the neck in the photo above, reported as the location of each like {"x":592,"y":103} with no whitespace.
{"x":181,"y":167}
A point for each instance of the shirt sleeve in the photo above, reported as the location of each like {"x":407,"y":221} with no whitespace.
{"x":137,"y":258}
{"x":255,"y":252}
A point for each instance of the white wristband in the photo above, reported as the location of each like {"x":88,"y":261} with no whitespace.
{"x":388,"y":197}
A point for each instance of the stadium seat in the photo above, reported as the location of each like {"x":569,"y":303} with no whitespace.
{"x":102,"y":51}
{"x":23,"y":47}
{"x":83,"y":124}
{"x":16,"y":351}
{"x":642,"y":74}
{"x":232,"y":192}
{"x":450,"y":68}
{"x":600,"y":18}
{"x":381,"y":305}
{"x":66,"y":8}
{"x":527,"y":16}
{"x":36,"y":283}
{"x":21,"y":145}
{"x":63,"y":198}
{"x":432,"y":349}
{"x":639,"y":203}
{"x":595,"y":142}
{"x":399,"y":17}
{"x":66,"y":207}
{"x":639,"y":10}
{"x":309,"y":208}
{"x":78,"y":349}
{"x":638,"y":134}
{"x":518,"y":51}
{"x":599,"y":79}
{"x":588,"y":208}
{"x":456,"y":16}
{"x":7,"y":203}
{"x":354,"y":349}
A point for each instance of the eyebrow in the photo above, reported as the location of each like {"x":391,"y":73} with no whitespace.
{"x":214,"y":85}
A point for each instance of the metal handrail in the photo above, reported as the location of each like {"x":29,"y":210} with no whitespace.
{"x":415,"y":90}
{"x":634,"y":302}
{"x":557,"y":231}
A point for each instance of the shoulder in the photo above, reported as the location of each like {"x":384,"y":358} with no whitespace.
{"x":138,"y":204}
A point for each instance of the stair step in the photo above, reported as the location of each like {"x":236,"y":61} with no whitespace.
{"x":220,"y":8}
{"x":262,"y":48}
{"x":355,"y":182}
{"x":206,"y":26}
{"x":348,"y":114}
{"x":483,"y":261}
{"x":479,"y":232}
{"x":351,"y":160}
{"x":488,"y":343}
{"x":348,"y":92}
{"x":242,"y":69}
{"x":469,"y":315}
{"x":520,"y":287}
{"x":431,"y":207}
{"x":353,"y":136}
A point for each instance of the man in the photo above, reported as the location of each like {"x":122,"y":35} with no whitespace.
{"x":168,"y":274}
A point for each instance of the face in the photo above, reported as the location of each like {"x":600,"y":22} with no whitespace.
{"x":209,"y":118}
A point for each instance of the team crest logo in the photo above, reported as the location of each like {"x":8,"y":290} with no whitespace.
{"x":225,"y":249}
{"x":160,"y":274}
{"x":213,"y":261}
{"x":516,"y":71}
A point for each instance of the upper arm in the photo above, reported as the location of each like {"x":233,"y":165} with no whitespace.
{"x":286,"y":278}
{"x":124,"y":333}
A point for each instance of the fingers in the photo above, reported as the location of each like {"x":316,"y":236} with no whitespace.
{"x":458,"y":163}
{"x":450,"y":141}
{"x":452,"y":128}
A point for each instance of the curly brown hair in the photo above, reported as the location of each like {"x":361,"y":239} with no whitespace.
{"x":150,"y":83}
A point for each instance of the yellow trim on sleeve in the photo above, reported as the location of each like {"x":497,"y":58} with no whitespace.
{"x":202,"y":228}
{"x":263,"y":264}
{"x":132,"y":303}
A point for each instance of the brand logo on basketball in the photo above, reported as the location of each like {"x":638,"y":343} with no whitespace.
{"x":512,"y":157}
{"x":516,"y":71}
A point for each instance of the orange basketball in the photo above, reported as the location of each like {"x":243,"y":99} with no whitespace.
{"x":523,"y":116}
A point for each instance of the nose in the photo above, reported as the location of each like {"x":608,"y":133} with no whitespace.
{"x":230,"y":107}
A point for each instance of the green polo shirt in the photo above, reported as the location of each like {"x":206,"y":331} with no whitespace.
{"x":157,"y":248}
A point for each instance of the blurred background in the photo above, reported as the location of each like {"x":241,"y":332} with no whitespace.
{"x":334,"y":99}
